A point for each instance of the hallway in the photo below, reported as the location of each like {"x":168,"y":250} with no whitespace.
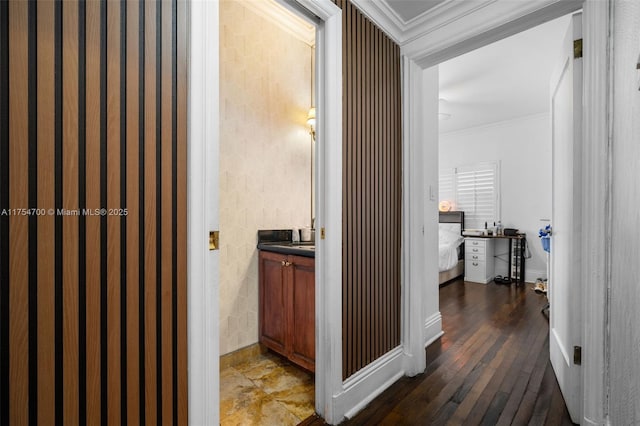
{"x":490,"y":367}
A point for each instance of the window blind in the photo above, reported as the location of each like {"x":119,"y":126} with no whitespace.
{"x":446,"y":185}
{"x":476,"y":194}
{"x":474,"y":190}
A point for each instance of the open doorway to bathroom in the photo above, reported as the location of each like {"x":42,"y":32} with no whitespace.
{"x":267,"y":165}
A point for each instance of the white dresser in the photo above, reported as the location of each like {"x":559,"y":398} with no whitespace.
{"x":478,"y":260}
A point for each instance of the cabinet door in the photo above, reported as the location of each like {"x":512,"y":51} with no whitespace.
{"x":302,"y":327}
{"x":273,"y":301}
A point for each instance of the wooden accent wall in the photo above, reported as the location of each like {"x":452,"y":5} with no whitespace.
{"x":372,"y":191}
{"x":93,"y":212}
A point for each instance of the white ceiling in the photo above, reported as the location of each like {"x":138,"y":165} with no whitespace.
{"x":501,"y":81}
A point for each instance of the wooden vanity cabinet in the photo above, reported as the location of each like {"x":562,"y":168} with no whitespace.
{"x":287,"y":306}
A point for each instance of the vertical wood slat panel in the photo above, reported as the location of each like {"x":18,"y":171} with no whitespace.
{"x":357,"y":117}
{"x":92,"y":158}
{"x":181,"y":217}
{"x":151,"y":391}
{"x":346,"y":223}
{"x":18,"y":224}
{"x":70,"y":202}
{"x":4,"y":204}
{"x":166,"y":219}
{"x":113,"y":221}
{"x":132,"y":415}
{"x":46,"y":167}
{"x":76,"y":119}
{"x":371,"y":191}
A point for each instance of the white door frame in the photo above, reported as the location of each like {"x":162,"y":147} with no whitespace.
{"x":202,"y":209}
{"x":502,"y":19}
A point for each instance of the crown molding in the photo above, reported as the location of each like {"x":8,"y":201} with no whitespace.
{"x":284,"y":19}
{"x":402,"y":31}
{"x":436,"y":34}
{"x":475,"y":28}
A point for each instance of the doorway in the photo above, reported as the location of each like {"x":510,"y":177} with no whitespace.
{"x":204,"y":265}
{"x":529,"y":163}
{"x":447,"y":43}
{"x":266,"y":159}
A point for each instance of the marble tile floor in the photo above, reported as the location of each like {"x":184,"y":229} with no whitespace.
{"x":265,"y":391}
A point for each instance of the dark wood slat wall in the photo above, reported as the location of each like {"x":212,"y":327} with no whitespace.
{"x":372,"y":188}
{"x":93,"y":307}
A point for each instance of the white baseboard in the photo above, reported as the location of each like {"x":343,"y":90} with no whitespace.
{"x":361,"y":388}
{"x":433,"y":328}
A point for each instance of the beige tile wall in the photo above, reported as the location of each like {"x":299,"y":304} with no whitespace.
{"x":264,"y":155}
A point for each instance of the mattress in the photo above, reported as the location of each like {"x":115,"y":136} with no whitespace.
{"x":448,"y":248}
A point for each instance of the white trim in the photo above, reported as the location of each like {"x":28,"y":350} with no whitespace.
{"x":413,"y":245}
{"x":202,"y":265}
{"x":329,"y":211}
{"x":371,"y":381}
{"x":284,"y":19}
{"x":433,"y":328}
{"x":596,"y":207}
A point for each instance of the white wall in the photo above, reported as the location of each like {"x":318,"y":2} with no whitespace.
{"x":523,"y":148}
{"x":625,"y":268}
{"x":265,"y":176}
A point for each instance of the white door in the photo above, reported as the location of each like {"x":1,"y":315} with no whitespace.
{"x":565,"y":292}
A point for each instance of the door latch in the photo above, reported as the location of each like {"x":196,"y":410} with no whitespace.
{"x":214,"y":240}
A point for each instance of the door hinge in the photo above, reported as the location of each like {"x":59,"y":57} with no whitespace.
{"x":577,"y":355}
{"x":577,"y":49}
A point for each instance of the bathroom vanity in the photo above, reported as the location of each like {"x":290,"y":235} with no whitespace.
{"x":287,"y":300}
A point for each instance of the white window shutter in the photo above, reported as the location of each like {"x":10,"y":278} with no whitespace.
{"x":476,"y":194}
{"x":446,"y":186}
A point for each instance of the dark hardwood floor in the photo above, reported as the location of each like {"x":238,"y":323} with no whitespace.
{"x":491,"y":367}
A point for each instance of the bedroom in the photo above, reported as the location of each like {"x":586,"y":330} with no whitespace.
{"x":495,"y":135}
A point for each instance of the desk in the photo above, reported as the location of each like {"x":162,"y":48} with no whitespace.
{"x":516,"y":254}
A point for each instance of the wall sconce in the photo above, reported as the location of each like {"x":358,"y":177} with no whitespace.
{"x":311,"y":121}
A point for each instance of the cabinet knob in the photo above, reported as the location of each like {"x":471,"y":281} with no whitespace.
{"x":286,"y":263}
{"x":475,"y":264}
{"x":475,"y":250}
{"x":475,"y":257}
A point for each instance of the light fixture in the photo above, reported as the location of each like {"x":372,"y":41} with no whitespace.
{"x":311,"y":121}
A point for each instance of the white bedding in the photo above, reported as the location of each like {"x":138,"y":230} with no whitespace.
{"x":450,"y":240}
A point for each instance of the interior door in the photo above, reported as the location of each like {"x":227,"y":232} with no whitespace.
{"x":564,"y":283}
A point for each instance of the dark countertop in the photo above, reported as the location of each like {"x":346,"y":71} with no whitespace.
{"x":286,"y":247}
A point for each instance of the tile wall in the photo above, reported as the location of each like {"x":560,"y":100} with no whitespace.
{"x":264,"y":155}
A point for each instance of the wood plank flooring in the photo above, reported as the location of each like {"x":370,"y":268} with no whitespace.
{"x":491,"y":367}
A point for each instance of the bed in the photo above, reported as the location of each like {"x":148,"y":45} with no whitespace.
{"x":450,"y":246}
